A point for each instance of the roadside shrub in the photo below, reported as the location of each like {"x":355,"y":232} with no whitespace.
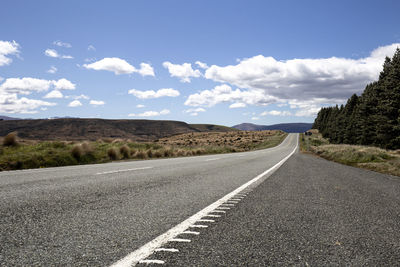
{"x":140,"y":155}
{"x":77,"y":152}
{"x":10,"y":139}
{"x":149,"y":153}
{"x":125,"y":151}
{"x":158,"y":154}
{"x":87,"y":148}
{"x":180,"y":153}
{"x":107,"y":140}
{"x":112,"y":153}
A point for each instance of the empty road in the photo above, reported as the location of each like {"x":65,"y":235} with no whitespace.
{"x":97,"y":214}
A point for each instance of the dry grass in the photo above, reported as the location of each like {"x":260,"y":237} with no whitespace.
{"x":372,"y":158}
{"x":10,"y":139}
{"x":37,"y":154}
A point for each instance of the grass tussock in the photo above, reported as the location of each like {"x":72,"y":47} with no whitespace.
{"x":372,"y":158}
{"x":25,"y":154}
{"x":10,"y":139}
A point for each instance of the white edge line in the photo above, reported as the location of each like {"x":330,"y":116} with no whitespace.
{"x":126,"y":170}
{"x":147,"y":249}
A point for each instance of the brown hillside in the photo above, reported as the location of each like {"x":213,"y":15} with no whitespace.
{"x":93,"y":129}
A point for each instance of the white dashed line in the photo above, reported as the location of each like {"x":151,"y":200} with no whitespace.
{"x":126,"y":170}
{"x":206,"y":220}
{"x":180,"y":240}
{"x":190,"y":232}
{"x":146,"y":250}
{"x":198,"y":226}
{"x":212,"y":159}
{"x":220,"y":211}
{"x":167,"y":250}
{"x":152,"y":261}
{"x":228,"y":205}
{"x":212,"y":216}
{"x":223,"y":208}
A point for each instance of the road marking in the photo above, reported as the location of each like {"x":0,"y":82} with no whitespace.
{"x":198,"y":226}
{"x":126,"y":170}
{"x":228,"y":204}
{"x":212,"y":216}
{"x":167,"y":250}
{"x":212,"y":159}
{"x":232,"y":202}
{"x":152,"y":261}
{"x":147,"y":249}
{"x":223,"y":208}
{"x":206,"y":220}
{"x":221,"y":211}
{"x":180,"y":240}
{"x":190,"y":232}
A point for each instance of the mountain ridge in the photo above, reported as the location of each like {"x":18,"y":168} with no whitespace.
{"x":297,"y":127}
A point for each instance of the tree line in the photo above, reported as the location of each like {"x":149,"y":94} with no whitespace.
{"x":373,"y":118}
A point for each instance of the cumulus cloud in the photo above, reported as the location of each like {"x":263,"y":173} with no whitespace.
{"x":201,"y":65}
{"x":154,"y":94}
{"x":75,"y":103}
{"x":120,"y":66}
{"x":237,"y":105}
{"x":150,"y":113}
{"x":54,"y":94}
{"x":7,"y":49}
{"x":224,"y":93}
{"x":140,"y":106}
{"x":76,"y":97}
{"x":52,"y":70}
{"x":304,"y":79}
{"x":62,"y":44}
{"x":97,"y":102}
{"x":10,"y":103}
{"x":53,"y":53}
{"x":12,"y":87}
{"x":194,"y":111}
{"x":276,"y":113}
{"x":184,"y":71}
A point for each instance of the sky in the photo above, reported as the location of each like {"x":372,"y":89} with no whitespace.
{"x":220,"y":62}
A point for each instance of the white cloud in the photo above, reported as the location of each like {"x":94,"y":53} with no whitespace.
{"x":10,"y":103}
{"x":55,"y":54}
{"x":54,"y":94}
{"x":304,"y":78}
{"x":25,"y":86}
{"x":184,"y":71}
{"x":140,"y":106}
{"x":120,"y":66}
{"x":237,"y":105}
{"x":75,"y":103}
{"x":202,"y":65}
{"x":150,"y":113}
{"x":255,"y":118}
{"x":91,"y":48}
{"x":76,"y":97}
{"x":7,"y":49}
{"x":146,"y":70}
{"x":194,"y":111}
{"x":224,"y":93}
{"x":62,"y":44}
{"x":276,"y":113}
{"x":154,"y":94}
{"x":63,"y":84}
{"x":96,"y":102}
{"x":52,"y":70}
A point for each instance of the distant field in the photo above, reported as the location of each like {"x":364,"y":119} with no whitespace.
{"x":372,"y":158}
{"x":25,"y":154}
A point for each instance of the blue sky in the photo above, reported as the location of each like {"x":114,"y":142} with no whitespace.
{"x":220,"y":62}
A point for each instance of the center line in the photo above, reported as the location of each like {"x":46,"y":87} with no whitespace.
{"x":212,"y":159}
{"x":146,"y":250}
{"x":126,"y":170}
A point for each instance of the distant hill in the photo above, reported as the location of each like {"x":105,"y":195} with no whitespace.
{"x":6,"y":118}
{"x":92,"y":129}
{"x":286,"y":127}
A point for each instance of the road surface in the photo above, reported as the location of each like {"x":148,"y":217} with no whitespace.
{"x":97,"y":214}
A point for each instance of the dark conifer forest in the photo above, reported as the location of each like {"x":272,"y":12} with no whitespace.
{"x":370,"y":119}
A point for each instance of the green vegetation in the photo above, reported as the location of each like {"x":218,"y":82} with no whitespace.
{"x":372,"y":158}
{"x":370,"y":119}
{"x":24,"y":154}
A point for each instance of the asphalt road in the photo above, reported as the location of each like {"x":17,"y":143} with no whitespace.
{"x":94,"y":215}
{"x":310,"y":212}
